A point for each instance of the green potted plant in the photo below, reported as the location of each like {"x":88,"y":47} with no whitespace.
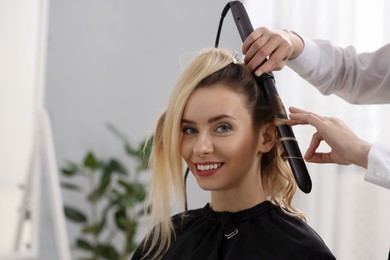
{"x":115,"y":199}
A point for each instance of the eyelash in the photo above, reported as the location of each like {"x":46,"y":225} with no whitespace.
{"x":187,"y":130}
{"x":227,"y":127}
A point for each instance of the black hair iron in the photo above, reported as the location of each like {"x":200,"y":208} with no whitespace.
{"x":267,"y":83}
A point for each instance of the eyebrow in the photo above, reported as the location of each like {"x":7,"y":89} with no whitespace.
{"x":211,"y":120}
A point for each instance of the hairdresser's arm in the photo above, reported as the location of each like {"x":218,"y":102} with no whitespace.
{"x":362,"y":78}
{"x":346,"y":147}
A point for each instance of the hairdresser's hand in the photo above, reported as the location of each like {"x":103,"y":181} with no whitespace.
{"x":279,"y":46}
{"x":346,"y":147}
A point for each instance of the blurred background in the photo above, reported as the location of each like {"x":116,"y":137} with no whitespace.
{"x":70,"y":68}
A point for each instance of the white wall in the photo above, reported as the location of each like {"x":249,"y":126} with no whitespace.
{"x":116,"y":61}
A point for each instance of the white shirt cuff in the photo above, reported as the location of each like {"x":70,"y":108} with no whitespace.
{"x":378,"y":169}
{"x":308,"y":59}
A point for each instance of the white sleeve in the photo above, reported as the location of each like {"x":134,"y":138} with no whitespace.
{"x":378,"y":170}
{"x":360,"y":78}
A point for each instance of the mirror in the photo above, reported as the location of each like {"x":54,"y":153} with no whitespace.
{"x":19,"y":24}
{"x":26,"y":150}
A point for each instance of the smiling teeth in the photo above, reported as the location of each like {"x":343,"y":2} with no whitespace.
{"x":208,"y":167}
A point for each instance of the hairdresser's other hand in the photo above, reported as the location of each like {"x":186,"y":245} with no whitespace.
{"x":279,"y":46}
{"x":346,"y":147}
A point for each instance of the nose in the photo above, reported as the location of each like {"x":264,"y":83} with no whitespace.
{"x":203,"y":145}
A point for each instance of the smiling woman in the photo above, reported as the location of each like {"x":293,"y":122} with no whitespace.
{"x":222,"y":135}
{"x":219,"y":122}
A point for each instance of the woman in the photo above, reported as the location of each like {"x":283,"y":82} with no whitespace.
{"x":218,"y":121}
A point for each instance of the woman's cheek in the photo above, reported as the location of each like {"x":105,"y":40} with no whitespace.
{"x":185,"y":149}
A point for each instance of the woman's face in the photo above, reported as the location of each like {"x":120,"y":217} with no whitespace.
{"x":219,"y":143}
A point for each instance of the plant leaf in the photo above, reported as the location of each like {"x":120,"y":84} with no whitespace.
{"x":74,"y":214}
{"x":124,"y":184}
{"x":94,"y":228}
{"x":130,"y":150}
{"x":108,"y":251}
{"x":131,"y":246}
{"x":130,"y":233}
{"x":138,"y":191}
{"x":146,"y":150}
{"x":117,"y":133}
{"x":135,"y":192}
{"x":128,"y":147}
{"x":121,"y":219}
{"x":90,"y":161}
{"x":84,"y":244}
{"x":70,"y":170}
{"x":115,"y":166}
{"x":70,"y":186}
{"x":99,"y":191}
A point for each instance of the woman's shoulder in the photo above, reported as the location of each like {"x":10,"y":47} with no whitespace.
{"x":181,"y":221}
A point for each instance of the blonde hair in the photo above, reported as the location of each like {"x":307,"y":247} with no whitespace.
{"x":211,"y":66}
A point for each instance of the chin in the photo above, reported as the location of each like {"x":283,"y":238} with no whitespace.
{"x":207,"y":186}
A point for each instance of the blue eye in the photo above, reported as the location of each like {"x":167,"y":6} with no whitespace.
{"x":189,"y":130}
{"x":224,"y":128}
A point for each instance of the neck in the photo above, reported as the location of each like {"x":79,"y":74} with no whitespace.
{"x":234,"y":201}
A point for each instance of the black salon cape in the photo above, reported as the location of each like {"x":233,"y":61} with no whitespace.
{"x":264,"y":232}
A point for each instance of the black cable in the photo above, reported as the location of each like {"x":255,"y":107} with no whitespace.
{"x":185,"y":189}
{"x":223,"y":14}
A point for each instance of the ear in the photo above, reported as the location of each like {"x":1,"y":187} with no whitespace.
{"x":267,"y":137}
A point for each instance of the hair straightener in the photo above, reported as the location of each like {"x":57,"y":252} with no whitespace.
{"x":267,"y":83}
